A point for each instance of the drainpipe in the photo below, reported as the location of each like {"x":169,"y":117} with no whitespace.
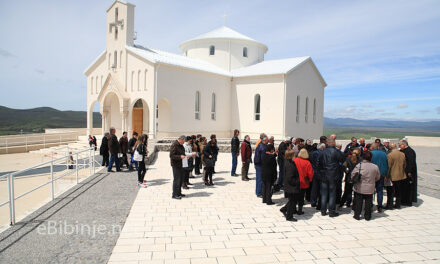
{"x":229,"y":55}
{"x":284,"y":107}
{"x":155,"y":101}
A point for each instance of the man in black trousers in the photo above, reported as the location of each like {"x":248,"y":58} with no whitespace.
{"x":103,"y":150}
{"x":177,"y":154}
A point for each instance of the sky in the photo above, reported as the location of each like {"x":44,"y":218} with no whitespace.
{"x":380,"y":59}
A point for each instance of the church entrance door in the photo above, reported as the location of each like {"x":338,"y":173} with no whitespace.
{"x":137,"y":120}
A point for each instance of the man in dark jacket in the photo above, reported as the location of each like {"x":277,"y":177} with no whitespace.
{"x":409,"y":190}
{"x":177,"y":154}
{"x":246,"y":157}
{"x":235,"y":150}
{"x":123,"y":144}
{"x":198,"y":159}
{"x":329,"y":165}
{"x":216,"y":149}
{"x":268,"y":173}
{"x":351,"y":146}
{"x":103,"y":150}
{"x":315,"y":196}
{"x":131,"y":149}
{"x":258,"y":161}
{"x":280,"y":158}
{"x":113,"y":146}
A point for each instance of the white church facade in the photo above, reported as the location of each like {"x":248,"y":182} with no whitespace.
{"x":219,"y":83}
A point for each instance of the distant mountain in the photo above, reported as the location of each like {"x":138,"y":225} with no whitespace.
{"x":12,"y":121}
{"x":384,"y":124}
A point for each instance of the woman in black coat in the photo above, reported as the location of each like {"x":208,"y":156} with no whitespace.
{"x":291,"y":185}
{"x":209,"y":158}
{"x":269,"y":173}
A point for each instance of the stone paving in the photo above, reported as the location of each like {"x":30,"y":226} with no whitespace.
{"x":226,"y":223}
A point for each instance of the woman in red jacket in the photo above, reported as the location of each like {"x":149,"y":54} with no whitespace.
{"x":305,"y":171}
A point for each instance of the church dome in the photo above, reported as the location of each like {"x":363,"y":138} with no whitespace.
{"x":224,"y":33}
{"x":225,"y":48}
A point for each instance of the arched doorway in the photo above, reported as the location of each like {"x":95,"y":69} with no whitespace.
{"x":140,"y":117}
{"x":112,"y":113}
{"x":94,"y":119}
{"x":163,"y":116}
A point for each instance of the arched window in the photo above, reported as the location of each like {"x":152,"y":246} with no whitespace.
{"x":306,"y":118}
{"x":96,"y":85}
{"x":211,"y":50}
{"x":91,"y":86}
{"x":244,"y":52}
{"x":120,"y":59}
{"x":132,"y":81}
{"x":100,"y":87}
{"x":116,"y":26}
{"x":139,"y":80}
{"x":314,"y":110}
{"x":213,"y":114}
{"x":297,"y":108}
{"x":109,"y":60}
{"x":197,"y":106}
{"x":115,"y":60}
{"x":145,"y":80}
{"x":257,"y":102}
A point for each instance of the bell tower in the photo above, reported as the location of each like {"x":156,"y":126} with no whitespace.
{"x":120,"y":25}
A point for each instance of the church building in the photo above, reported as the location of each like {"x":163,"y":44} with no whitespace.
{"x":219,"y":83}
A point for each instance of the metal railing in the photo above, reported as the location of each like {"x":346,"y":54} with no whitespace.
{"x":8,"y":142}
{"x":83,"y":159}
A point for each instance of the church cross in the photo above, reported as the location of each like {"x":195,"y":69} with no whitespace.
{"x":116,"y":24}
{"x":224,"y":19}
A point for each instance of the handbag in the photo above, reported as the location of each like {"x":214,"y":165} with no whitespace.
{"x":137,"y":156}
{"x":209,"y":163}
{"x":357,"y":176}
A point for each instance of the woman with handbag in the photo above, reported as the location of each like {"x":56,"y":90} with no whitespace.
{"x":139,"y":156}
{"x":305,"y":171}
{"x":364,"y":177}
{"x":209,"y":158}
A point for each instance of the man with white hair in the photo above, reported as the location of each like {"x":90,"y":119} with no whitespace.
{"x":329,"y":165}
{"x":409,"y":190}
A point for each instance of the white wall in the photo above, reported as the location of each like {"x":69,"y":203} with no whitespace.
{"x":304,"y":82}
{"x":199,"y":49}
{"x":271,"y":90}
{"x":179,"y":85}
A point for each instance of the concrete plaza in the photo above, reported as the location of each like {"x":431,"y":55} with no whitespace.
{"x":227,"y":223}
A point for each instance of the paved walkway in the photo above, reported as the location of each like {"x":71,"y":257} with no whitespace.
{"x":80,"y":226}
{"x":228,"y":224}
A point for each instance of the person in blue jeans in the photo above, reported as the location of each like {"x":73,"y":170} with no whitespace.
{"x":235,"y":151}
{"x":114,"y":148}
{"x":328,"y":165}
{"x":131,"y":144}
{"x":380,"y":159}
{"x":258,"y":161}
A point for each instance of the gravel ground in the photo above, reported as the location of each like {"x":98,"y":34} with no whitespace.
{"x":80,"y":226}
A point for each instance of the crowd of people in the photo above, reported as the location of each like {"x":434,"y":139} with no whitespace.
{"x":320,"y":173}
{"x":114,"y":151}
